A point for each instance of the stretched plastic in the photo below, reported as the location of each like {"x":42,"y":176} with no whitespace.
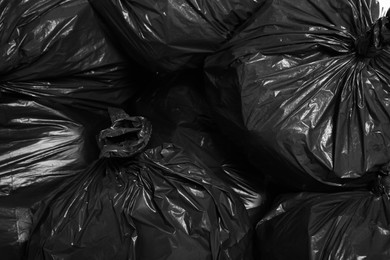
{"x":171,"y":35}
{"x":304,"y":88}
{"x":157,"y":204}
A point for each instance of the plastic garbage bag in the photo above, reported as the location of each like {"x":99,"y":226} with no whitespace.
{"x":15,"y":225}
{"x":58,"y":70}
{"x":171,"y":35}
{"x":157,"y":204}
{"x":57,"y":49}
{"x":41,"y":142}
{"x":49,"y":39}
{"x":345,"y":225}
{"x":304,"y":88}
{"x":180,"y":115}
{"x":16,"y":216}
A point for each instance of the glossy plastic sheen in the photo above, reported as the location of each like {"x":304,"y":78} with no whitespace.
{"x":306,"y":99}
{"x":57,"y":49}
{"x":41,"y":142}
{"x":52,"y":53}
{"x":159,"y":204}
{"x":305,"y":226}
{"x":171,"y":35}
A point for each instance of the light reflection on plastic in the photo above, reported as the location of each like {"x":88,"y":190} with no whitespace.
{"x":385,"y":5}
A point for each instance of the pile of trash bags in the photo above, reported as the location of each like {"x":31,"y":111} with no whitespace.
{"x":233,"y":129}
{"x":131,"y":199}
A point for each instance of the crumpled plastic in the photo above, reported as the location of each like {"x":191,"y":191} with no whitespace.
{"x":171,"y":35}
{"x":58,"y":75}
{"x":157,"y":204}
{"x":41,"y":142}
{"x":179,"y":113}
{"x":319,"y":226}
{"x":56,"y":49}
{"x":304,"y":88}
{"x":15,"y":225}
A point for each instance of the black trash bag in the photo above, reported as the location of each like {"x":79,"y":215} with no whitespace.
{"x":42,"y":142}
{"x":180,"y":115}
{"x":158,"y":204}
{"x":56,"y":48}
{"x":319,"y":226}
{"x":304,"y":88}
{"x":15,"y":225}
{"x":170,"y":35}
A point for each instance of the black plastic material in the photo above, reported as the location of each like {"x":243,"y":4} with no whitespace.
{"x":58,"y":75}
{"x":159,"y":204}
{"x":15,"y":226}
{"x":41,"y":142}
{"x":314,"y":226}
{"x":56,"y":49}
{"x":179,"y":113}
{"x":301,"y":95}
{"x":126,"y":137}
{"x":372,"y":42}
{"x":170,"y":35}
{"x":57,"y":71}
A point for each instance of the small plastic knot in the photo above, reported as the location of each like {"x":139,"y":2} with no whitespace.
{"x":126,"y":137}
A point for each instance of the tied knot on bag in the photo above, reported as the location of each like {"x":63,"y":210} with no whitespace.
{"x":382,"y":183}
{"x":127,"y":136}
{"x":372,"y":42}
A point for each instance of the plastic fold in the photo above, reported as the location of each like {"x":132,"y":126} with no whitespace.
{"x":304,"y":95}
{"x":121,"y":206}
{"x":172,"y":35}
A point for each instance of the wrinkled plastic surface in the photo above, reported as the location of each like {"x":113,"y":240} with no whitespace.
{"x":315,"y":226}
{"x":15,"y":225}
{"x":54,"y":52}
{"x":180,"y":115}
{"x":41,"y":142}
{"x":126,"y":136}
{"x":171,"y":35}
{"x":306,"y":97}
{"x":57,"y":49}
{"x":159,"y":204}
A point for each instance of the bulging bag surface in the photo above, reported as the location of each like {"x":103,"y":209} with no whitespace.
{"x":170,"y":35}
{"x":157,"y":204}
{"x":57,"y":49}
{"x":319,"y":226}
{"x":41,"y":142}
{"x":304,"y":87}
